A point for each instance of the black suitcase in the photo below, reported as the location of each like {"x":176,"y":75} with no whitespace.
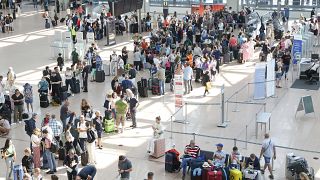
{"x":143,"y":91}
{"x":44,"y":101}
{"x":62,"y":153}
{"x":62,"y":20}
{"x":47,"y":25}
{"x":53,"y":22}
{"x":84,"y":158}
{"x":25,"y":116}
{"x":169,"y":162}
{"x":76,"y":87}
{"x":5,"y":112}
{"x":144,"y":82}
{"x":100,"y":76}
{"x":226,"y":57}
{"x":63,"y":89}
{"x":3,"y":29}
{"x":231,"y":56}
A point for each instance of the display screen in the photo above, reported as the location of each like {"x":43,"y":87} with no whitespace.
{"x":125,"y":6}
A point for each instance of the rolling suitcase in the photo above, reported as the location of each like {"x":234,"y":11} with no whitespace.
{"x":100,"y":76}
{"x":231,"y":56}
{"x":235,"y":174}
{"x":47,"y":25}
{"x":150,"y":83}
{"x":169,"y":158}
{"x":62,"y":20}
{"x":250,"y":174}
{"x":53,"y":22}
{"x":159,"y":148}
{"x":25,"y":115}
{"x":143,"y":91}
{"x":44,"y":101}
{"x":214,"y":175}
{"x":76,"y":87}
{"x":18,"y":172}
{"x":109,"y":125}
{"x":226,"y":57}
{"x":84,"y":158}
{"x":144,"y":82}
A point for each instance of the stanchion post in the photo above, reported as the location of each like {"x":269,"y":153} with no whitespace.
{"x":194,"y":136}
{"x":171,"y":127}
{"x":265,"y":107}
{"x":236,"y":104}
{"x":186,"y":119}
{"x":246,"y":136}
{"x":234,"y":142}
{"x":248,"y":92}
{"x":227,"y":113}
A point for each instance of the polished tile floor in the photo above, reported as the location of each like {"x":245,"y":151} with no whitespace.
{"x":28,"y":51}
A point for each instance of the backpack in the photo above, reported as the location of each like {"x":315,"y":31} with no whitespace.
{"x":54,"y":146}
{"x":27,"y":127}
{"x":28,"y":92}
{"x":91,"y":136}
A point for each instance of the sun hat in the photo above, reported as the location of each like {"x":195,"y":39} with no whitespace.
{"x":206,"y":165}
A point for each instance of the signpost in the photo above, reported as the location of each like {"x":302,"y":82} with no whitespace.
{"x":259,"y":79}
{"x":223,"y":123}
{"x":178,"y":94}
{"x":306,"y":105}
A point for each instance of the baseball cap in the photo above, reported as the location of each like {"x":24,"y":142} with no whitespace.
{"x":219,"y":145}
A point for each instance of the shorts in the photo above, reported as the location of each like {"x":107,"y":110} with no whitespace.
{"x":28,"y":100}
{"x":278,"y":75}
{"x":267,"y":160}
{"x":99,"y":133}
{"x":93,"y":72}
{"x":120,"y":119}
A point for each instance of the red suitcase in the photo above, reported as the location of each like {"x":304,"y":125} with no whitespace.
{"x":214,"y":175}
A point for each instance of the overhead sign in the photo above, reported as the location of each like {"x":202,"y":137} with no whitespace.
{"x":165,"y":3}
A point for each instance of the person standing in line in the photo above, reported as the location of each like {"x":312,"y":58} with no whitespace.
{"x":286,"y":60}
{"x":85,"y":76}
{"x":187,"y":77}
{"x":28,"y":96}
{"x":71,"y":162}
{"x":9,"y":155}
{"x":121,"y":110}
{"x":36,"y":141}
{"x":17,"y":99}
{"x":133,"y":105}
{"x":50,"y":156}
{"x":124,"y":54}
{"x":97,"y":124}
{"x":206,"y":83}
{"x":268,"y":151}
{"x":82,"y":129}
{"x":56,"y":127}
{"x":124,"y":168}
{"x":64,"y":113}
{"x":60,"y":62}
{"x":56,"y":82}
{"x":90,"y":143}
{"x":161,"y":75}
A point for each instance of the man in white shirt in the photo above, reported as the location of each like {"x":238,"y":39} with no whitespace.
{"x":197,"y":51}
{"x":187,"y":77}
{"x":268,"y":151}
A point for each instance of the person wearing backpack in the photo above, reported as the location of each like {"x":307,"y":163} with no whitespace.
{"x":90,"y":144}
{"x":28,"y":96}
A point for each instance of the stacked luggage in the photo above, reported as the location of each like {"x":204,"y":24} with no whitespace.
{"x":155,"y":87}
{"x":143,"y":87}
{"x":172,"y":163}
{"x":108,"y":122}
{"x":295,"y":165}
{"x":44,"y":101}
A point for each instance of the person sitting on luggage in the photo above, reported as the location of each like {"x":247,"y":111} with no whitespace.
{"x":157,"y":134}
{"x":191,"y":151}
{"x":126,"y":84}
{"x":252,"y":162}
{"x":4,"y":127}
{"x":219,"y":157}
{"x":71,"y":162}
{"x":153,"y":70}
{"x":27,"y":161}
{"x":235,"y":158}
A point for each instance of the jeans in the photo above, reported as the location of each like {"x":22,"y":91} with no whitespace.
{"x":161,"y":83}
{"x":9,"y":165}
{"x":51,"y":160}
{"x":197,"y":172}
{"x":184,"y":164}
{"x":69,"y":82}
{"x":18,"y":110}
{"x":82,"y":144}
{"x":133,"y":118}
{"x":187,"y":86}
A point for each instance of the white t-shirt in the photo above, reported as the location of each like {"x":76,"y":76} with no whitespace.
{"x":82,"y":126}
{"x":268,"y":145}
{"x":5,"y":123}
{"x":50,"y":133}
{"x":220,"y":26}
{"x":35,"y":139}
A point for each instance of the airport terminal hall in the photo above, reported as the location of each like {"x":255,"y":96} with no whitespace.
{"x":159,"y":89}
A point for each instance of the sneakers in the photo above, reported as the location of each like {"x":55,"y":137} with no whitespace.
{"x":271,"y":177}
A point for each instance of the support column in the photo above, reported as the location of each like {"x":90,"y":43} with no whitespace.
{"x":139,"y":21}
{"x":234,"y":4}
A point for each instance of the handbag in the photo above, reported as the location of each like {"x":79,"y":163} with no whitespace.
{"x":208,"y":85}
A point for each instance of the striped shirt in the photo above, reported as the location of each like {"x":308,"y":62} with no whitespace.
{"x":192,"y":151}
